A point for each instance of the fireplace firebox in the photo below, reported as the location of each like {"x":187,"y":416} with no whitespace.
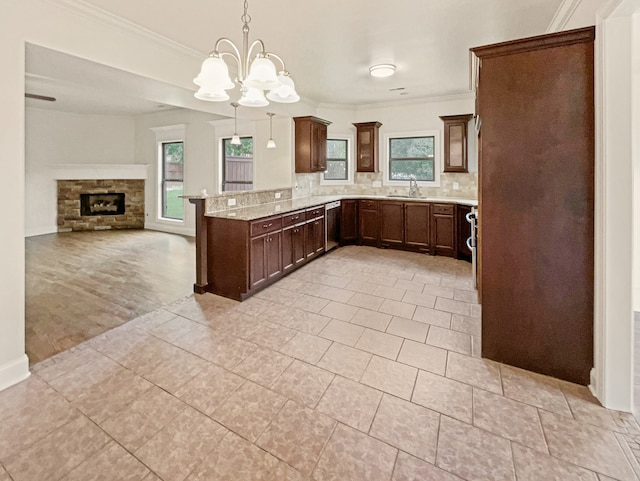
{"x":101,"y":204}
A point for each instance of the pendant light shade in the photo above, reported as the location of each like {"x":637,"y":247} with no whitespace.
{"x":285,"y":92}
{"x":252,"y":97}
{"x":214,"y":73}
{"x":211,"y":95}
{"x":262,"y":74}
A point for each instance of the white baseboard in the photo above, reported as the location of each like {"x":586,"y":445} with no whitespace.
{"x":14,"y":371}
{"x":31,"y":232}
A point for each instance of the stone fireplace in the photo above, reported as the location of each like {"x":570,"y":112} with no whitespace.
{"x":100,"y":204}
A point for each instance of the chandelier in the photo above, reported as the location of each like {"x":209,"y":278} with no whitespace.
{"x":256,"y":73}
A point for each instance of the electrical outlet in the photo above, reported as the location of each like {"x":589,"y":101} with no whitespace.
{"x":278,"y":195}
{"x":231,"y":202}
{"x":456,"y":186}
{"x":376,"y":183}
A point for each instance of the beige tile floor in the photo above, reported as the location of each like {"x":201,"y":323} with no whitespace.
{"x":363,"y":365}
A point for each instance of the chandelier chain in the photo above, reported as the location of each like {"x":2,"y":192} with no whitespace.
{"x":246,"y":18}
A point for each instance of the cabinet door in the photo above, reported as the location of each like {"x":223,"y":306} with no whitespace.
{"x":319,"y":149}
{"x":443,"y":229}
{"x":258,"y":261}
{"x":349,"y":222}
{"x":416,"y":225}
{"x":273,"y":256}
{"x":455,"y":142}
{"x":368,"y":222}
{"x":367,"y":146}
{"x":299,"y":255}
{"x":391,"y":223}
{"x":318,"y":235}
{"x":288,"y":261}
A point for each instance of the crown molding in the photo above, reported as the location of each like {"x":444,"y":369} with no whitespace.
{"x":84,"y":9}
{"x":562,"y":15}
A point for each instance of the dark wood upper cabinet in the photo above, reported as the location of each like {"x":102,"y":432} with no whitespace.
{"x":455,"y":142}
{"x":536,"y":202}
{"x":367,"y":146}
{"x":311,"y":144}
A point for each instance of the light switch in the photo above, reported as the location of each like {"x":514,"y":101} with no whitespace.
{"x":231,"y":202}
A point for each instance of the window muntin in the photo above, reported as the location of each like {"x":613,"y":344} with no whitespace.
{"x":172,"y":154}
{"x":337,"y":160}
{"x":237,"y":165}
{"x":412,"y":156}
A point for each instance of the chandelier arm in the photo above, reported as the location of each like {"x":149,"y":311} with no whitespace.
{"x":233,"y":56}
{"x":270,"y":55}
{"x":225,"y":40}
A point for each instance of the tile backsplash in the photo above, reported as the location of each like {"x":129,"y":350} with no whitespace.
{"x":246,"y":198}
{"x":309,"y":184}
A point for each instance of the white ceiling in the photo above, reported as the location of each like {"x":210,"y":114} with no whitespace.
{"x":328,"y":46}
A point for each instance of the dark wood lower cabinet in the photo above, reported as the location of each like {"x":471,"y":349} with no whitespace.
{"x":392,"y":224}
{"x":246,"y":256}
{"x":443,"y":230}
{"x":416,"y":225}
{"x":265,"y":258}
{"x":348,"y":222}
{"x":293,"y":252}
{"x":368,"y":222}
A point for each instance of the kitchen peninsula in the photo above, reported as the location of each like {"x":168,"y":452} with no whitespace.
{"x":241,"y":251}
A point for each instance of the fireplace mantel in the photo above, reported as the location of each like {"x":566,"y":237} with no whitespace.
{"x":99,"y":171}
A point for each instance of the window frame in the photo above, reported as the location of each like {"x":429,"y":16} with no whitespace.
{"x":350,"y":164}
{"x":168,"y":134}
{"x":223,"y":165}
{"x":437,"y":158}
{"x":163,"y":179}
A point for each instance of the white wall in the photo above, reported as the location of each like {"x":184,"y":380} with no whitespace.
{"x":636,"y":160}
{"x":65,"y":138}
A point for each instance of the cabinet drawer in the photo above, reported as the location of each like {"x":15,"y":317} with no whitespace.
{"x":369,"y":204}
{"x":265,"y":225}
{"x":315,"y":212}
{"x":293,"y":218}
{"x":444,"y":209}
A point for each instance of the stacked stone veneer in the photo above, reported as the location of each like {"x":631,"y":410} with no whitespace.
{"x":69,"y":218}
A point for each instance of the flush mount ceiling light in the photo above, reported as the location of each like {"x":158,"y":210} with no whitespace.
{"x":271,"y":144}
{"x":256,"y":73}
{"x":235,"y":140}
{"x":382,"y":70}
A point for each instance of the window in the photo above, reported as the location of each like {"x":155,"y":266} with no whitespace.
{"x":237,"y":165}
{"x":412,"y":156}
{"x":337,"y":160}
{"x":172,"y":157}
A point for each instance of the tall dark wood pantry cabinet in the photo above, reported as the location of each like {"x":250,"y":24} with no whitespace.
{"x":536,"y":181}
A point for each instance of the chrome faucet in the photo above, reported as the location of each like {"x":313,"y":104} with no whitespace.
{"x":414,"y":190}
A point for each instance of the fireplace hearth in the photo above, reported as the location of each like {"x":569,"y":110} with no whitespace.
{"x":102,"y":204}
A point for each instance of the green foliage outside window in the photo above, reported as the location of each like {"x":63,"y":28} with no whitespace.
{"x":244,"y":149}
{"x":336,"y":160}
{"x":411,"y":156}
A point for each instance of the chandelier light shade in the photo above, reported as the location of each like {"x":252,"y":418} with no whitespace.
{"x":256,"y":72}
{"x":382,"y":70}
{"x":235,"y":140}
{"x":271,"y":144}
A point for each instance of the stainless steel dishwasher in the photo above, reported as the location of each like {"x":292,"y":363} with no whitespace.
{"x":332,"y":226}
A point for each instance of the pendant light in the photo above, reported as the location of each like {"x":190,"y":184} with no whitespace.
{"x":271,"y":144}
{"x":235,"y":140}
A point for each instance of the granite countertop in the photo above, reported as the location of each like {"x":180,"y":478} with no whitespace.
{"x":282,"y":207}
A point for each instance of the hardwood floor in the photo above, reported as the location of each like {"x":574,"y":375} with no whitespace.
{"x":81,"y":284}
